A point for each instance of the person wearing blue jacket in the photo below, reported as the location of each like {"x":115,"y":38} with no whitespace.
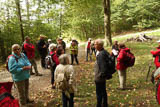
{"x":19,"y":66}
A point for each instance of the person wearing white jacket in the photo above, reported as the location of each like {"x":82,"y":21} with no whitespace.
{"x":64,"y":71}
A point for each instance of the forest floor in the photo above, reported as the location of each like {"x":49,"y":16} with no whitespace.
{"x":139,"y":93}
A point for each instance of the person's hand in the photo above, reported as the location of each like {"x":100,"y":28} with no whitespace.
{"x":44,"y":46}
{"x":26,"y":67}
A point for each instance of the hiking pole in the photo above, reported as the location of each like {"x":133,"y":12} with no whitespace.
{"x":150,"y":65}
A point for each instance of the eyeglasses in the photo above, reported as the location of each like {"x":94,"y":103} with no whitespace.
{"x":17,"y":49}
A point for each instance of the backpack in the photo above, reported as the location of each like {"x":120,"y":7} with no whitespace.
{"x":8,"y":60}
{"x":129,"y":59}
{"x":61,"y":82}
{"x":23,"y":50}
{"x":49,"y":61}
{"x":6,"y":99}
{"x":111,"y":66}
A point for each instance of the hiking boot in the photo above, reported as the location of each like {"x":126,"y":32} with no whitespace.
{"x":53,"y":87}
{"x":32,"y":73}
{"x":38,"y":74}
{"x":30,"y":101}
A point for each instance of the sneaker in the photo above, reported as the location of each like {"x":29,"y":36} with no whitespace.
{"x":38,"y":74}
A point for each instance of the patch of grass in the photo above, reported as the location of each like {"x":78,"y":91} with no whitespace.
{"x":139,"y":93}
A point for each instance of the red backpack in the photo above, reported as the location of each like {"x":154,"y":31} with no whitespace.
{"x":8,"y":60}
{"x":6,"y":99}
{"x":129,"y":59}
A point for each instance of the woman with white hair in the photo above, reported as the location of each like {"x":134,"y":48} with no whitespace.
{"x":52,"y":53}
{"x":19,"y":66}
{"x":68,"y":88}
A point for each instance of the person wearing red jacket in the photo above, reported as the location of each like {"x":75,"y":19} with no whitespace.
{"x":52,"y":48}
{"x":88,"y":49}
{"x":121,"y":68}
{"x":156,"y":54}
{"x":30,"y":52}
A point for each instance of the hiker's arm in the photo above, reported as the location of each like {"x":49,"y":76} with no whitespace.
{"x":55,"y":59}
{"x":55,"y":74}
{"x":155,"y":52}
{"x":29,"y":47}
{"x":13,"y":66}
{"x":26,"y":60}
{"x":102,"y":63}
{"x":71,"y":75}
{"x":120,"y":56}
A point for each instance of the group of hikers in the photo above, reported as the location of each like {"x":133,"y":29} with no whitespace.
{"x":22,"y":59}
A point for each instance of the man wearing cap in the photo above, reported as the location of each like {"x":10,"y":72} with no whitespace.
{"x":30,"y":52}
{"x":156,"y":55}
{"x":61,"y":43}
{"x":42,"y":48}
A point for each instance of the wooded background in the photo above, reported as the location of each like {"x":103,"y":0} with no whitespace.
{"x":79,"y":19}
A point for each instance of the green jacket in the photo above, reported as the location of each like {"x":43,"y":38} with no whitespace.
{"x":74,"y":49}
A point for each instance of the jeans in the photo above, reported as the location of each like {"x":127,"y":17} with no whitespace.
{"x":52,"y":74}
{"x":93,"y":50}
{"x":90,"y":55}
{"x":74,"y":57}
{"x":43,"y":61}
{"x":101,"y":95}
{"x":66,"y":100}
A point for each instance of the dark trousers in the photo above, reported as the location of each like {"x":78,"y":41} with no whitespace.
{"x":66,"y":100}
{"x":101,"y":95}
{"x":43,"y":61}
{"x":52,"y":74}
{"x":93,"y":50}
{"x":90,"y":55}
{"x":74,"y":57}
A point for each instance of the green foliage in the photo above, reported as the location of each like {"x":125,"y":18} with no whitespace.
{"x":135,"y":14}
{"x":79,"y":19}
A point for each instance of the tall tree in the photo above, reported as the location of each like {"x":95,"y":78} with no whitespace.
{"x":20,"y":18}
{"x":107,"y":22}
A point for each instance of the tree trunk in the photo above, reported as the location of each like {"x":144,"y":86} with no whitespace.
{"x":107,"y":22}
{"x":28,"y":15}
{"x":85,"y":32}
{"x":20,"y":18}
{"x":2,"y":49}
{"x":60,"y":24}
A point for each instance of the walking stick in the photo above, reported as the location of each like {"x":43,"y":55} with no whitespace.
{"x":150,"y":65}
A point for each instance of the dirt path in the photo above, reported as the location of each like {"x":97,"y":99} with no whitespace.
{"x":40,"y":85}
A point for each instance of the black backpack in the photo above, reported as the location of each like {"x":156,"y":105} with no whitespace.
{"x":111,"y":66}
